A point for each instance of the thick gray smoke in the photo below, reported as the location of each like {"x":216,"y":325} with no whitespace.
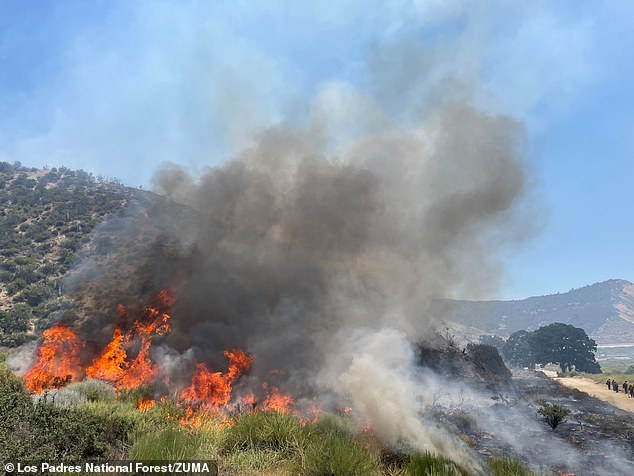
{"x":319,"y":257}
{"x":290,"y":246}
{"x":319,"y":246}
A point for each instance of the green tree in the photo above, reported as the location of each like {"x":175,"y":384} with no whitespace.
{"x":518,"y":350}
{"x":565,"y":345}
{"x":16,"y":319}
{"x":496,"y":341}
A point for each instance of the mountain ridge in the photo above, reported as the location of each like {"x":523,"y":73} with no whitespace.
{"x":605,"y":310}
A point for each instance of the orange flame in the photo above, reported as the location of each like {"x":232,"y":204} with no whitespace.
{"x":57,"y":361}
{"x":249,"y":400}
{"x":276,"y":400}
{"x":145,"y":404}
{"x":125,"y":362}
{"x":114,"y":364}
{"x":191,"y":418}
{"x":214,"y":388}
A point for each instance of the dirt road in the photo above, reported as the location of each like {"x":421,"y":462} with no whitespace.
{"x":596,"y":390}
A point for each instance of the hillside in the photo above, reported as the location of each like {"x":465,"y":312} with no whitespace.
{"x":46,"y":218}
{"x":604,"y":310}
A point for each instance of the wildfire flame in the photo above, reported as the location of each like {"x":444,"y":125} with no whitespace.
{"x":214,"y":388}
{"x":125,"y":362}
{"x":114,"y":364}
{"x":145,"y":404}
{"x":57,"y":361}
{"x":276,"y":400}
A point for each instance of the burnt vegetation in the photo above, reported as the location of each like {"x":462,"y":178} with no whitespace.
{"x":479,"y":365}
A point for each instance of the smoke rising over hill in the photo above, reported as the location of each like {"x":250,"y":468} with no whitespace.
{"x":292,"y":245}
{"x":320,"y":260}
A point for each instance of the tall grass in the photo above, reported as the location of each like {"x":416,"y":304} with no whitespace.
{"x":76,"y":393}
{"x":271,"y":431}
{"x":508,"y":466}
{"x":169,"y":444}
{"x":429,"y":464}
{"x":339,"y":455}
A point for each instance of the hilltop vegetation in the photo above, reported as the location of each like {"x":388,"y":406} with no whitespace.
{"x":46,"y":216}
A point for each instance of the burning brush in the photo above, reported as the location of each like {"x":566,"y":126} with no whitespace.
{"x":125,"y":363}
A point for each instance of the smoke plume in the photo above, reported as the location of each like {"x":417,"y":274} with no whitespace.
{"x":318,"y":254}
{"x":319,"y":246}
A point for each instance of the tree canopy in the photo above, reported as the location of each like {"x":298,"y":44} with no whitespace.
{"x":565,"y":345}
{"x":556,"y":343}
{"x":518,"y":350}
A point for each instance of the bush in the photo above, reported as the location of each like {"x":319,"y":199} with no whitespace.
{"x":328,"y":425}
{"x":16,"y":340}
{"x":338,"y":455}
{"x":170,"y":444}
{"x":553,"y":414}
{"x":94,"y":390}
{"x":507,"y":466}
{"x":76,"y":393}
{"x":16,"y":319}
{"x":431,"y":464}
{"x":264,"y":430}
{"x":36,"y":295}
{"x":45,"y":432}
{"x":15,"y":403}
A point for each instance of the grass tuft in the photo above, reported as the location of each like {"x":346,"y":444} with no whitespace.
{"x":338,"y":455}
{"x":170,"y":444}
{"x":508,"y":466}
{"x":429,"y":464}
{"x":264,"y":430}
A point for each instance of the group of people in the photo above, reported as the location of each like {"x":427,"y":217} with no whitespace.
{"x":628,"y":388}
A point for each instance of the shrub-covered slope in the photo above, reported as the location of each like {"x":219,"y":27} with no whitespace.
{"x":46,"y":216}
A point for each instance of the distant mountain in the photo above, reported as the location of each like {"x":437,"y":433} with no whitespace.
{"x":604,"y":310}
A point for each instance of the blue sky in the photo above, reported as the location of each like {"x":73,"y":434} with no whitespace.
{"x":117,"y":87}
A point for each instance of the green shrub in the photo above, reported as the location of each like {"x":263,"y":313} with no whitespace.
{"x":15,"y":409}
{"x":264,"y":430}
{"x":328,"y":424}
{"x":95,"y":390}
{"x":42,"y":431}
{"x":133,"y":395}
{"x":339,"y":455}
{"x":507,"y":466}
{"x":428,"y":464}
{"x":169,"y":444}
{"x":16,"y":339}
{"x":76,"y":393}
{"x":553,"y":414}
{"x":139,"y":423}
